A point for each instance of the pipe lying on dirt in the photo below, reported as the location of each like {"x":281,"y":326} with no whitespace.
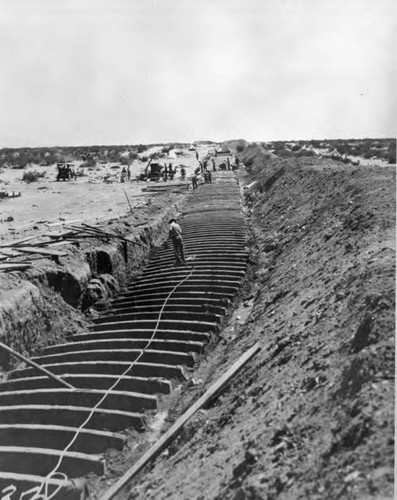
{"x":175,"y":429}
{"x":35,"y":365}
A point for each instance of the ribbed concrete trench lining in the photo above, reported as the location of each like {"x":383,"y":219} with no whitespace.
{"x":159,"y":325}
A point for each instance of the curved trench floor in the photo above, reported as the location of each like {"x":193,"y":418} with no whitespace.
{"x":38,"y":419}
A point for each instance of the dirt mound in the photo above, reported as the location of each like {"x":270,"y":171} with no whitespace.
{"x":312,"y":415}
{"x":235,"y":145}
{"x":256,"y":157}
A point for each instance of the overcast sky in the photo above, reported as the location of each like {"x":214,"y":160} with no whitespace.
{"x":76,"y":72}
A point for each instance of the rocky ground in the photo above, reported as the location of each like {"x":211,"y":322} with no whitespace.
{"x":312,"y":415}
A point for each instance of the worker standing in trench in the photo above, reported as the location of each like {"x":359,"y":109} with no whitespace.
{"x":175,"y":234}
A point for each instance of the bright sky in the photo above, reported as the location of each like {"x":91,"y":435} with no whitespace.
{"x":80,"y":72}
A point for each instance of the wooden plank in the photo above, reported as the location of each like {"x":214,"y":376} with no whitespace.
{"x":100,"y":231}
{"x":18,"y":242}
{"x":60,"y":234}
{"x":59,"y":243}
{"x":10,"y":252}
{"x":177,"y":427}
{"x":14,"y":264}
{"x":42,"y":251}
{"x":13,"y":267}
{"x":28,"y":361}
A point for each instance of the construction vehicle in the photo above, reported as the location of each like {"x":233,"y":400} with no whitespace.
{"x":65,"y":172}
{"x":153,"y":171}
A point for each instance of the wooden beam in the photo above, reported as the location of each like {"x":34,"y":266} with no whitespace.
{"x":10,"y":252}
{"x":18,"y":242}
{"x":9,"y":266}
{"x":34,"y":365}
{"x":42,"y":251}
{"x":129,"y":203}
{"x":177,"y":427}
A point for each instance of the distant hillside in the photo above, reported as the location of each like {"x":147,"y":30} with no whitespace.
{"x":204,"y":143}
{"x":45,"y":156}
{"x":338,"y":149}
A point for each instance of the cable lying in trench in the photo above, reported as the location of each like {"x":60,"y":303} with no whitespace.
{"x":41,"y":492}
{"x":38,"y":420}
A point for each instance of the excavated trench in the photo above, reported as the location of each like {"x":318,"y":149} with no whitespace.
{"x":161,"y":323}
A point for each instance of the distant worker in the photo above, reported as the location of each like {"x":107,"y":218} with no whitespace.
{"x":228,"y":163}
{"x":175,"y":234}
{"x":123,"y":175}
{"x":213,"y":165}
{"x":194,"y":181}
{"x":183,"y":173}
{"x":128,"y":172}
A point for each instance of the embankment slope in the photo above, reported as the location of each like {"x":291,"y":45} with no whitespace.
{"x":312,"y":416}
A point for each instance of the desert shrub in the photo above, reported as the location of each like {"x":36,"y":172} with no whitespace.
{"x":343,"y":148}
{"x":283,"y":153}
{"x":391,"y":153}
{"x":305,"y":152}
{"x":144,"y":158}
{"x":240,"y":149}
{"x":32,"y":176}
{"x":278,"y":146}
{"x":141,"y":148}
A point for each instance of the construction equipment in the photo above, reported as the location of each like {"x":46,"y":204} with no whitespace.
{"x":153,"y":171}
{"x":65,"y":172}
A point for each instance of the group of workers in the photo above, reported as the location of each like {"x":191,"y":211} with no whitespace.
{"x":175,"y":230}
{"x":169,"y":172}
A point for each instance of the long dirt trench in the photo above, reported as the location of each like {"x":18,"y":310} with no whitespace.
{"x":45,"y":428}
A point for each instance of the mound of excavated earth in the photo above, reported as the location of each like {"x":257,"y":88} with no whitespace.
{"x":311,"y":416}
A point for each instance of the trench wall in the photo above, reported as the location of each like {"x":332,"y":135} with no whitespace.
{"x":46,"y":303}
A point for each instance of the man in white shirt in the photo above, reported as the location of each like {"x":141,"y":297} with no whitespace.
{"x":175,"y":234}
